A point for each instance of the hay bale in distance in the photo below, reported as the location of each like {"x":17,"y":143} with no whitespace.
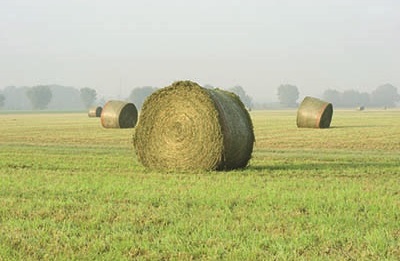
{"x":187,"y":127}
{"x":95,"y":111}
{"x":119,"y":114}
{"x":314,"y":113}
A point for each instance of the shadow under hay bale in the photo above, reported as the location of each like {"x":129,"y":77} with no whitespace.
{"x":95,"y":111}
{"x":187,"y":127}
{"x":314,"y":113}
{"x":119,"y":114}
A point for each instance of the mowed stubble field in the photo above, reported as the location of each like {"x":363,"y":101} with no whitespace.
{"x":72,"y":190}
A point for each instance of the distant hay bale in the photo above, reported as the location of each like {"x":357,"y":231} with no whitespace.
{"x":119,"y":114}
{"x":361,"y":108}
{"x":95,"y":111}
{"x":314,"y":113}
{"x":187,"y":127}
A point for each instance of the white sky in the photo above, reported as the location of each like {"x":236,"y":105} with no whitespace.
{"x":114,"y":46}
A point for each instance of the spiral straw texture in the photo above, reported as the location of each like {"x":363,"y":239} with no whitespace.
{"x":187,"y":127}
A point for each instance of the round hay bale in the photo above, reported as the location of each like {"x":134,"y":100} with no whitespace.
{"x":95,"y":111}
{"x":314,"y":113}
{"x":187,"y":127}
{"x":119,"y":114}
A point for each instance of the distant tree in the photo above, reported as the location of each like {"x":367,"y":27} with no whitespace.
{"x":385,"y":95}
{"x":352,"y":98}
{"x":39,"y":96}
{"x":16,"y":98}
{"x":88,"y":96}
{"x":139,"y":94}
{"x":364,"y":99}
{"x":246,"y":99}
{"x":288,"y":95}
{"x":332,"y":96}
{"x":348,"y":98}
{"x":65,"y":98}
{"x":2,"y":100}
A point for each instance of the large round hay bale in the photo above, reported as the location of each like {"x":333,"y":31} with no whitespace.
{"x":119,"y":114}
{"x":95,"y":111}
{"x":314,"y":113}
{"x":187,"y":127}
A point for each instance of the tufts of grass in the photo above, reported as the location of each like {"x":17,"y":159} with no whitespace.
{"x":327,"y":197}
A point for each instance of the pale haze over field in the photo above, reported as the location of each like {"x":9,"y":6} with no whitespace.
{"x":114,"y":46}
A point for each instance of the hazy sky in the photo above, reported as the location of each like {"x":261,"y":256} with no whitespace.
{"x":114,"y":46}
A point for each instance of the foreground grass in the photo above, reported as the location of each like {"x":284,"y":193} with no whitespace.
{"x":73,"y":190}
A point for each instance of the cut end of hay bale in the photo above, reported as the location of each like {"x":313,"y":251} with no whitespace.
{"x":119,"y":114}
{"x":187,"y":127}
{"x":95,"y":111}
{"x":314,"y":113}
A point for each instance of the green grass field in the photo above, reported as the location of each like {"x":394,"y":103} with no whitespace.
{"x":72,"y":190}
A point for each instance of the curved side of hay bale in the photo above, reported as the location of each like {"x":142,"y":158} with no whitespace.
{"x":119,"y":114}
{"x":314,"y":113}
{"x":95,"y":111}
{"x":237,"y":129}
{"x":187,"y":127}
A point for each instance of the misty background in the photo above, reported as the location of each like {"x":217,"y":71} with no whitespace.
{"x":116,"y":46}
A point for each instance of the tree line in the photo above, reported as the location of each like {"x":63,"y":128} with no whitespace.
{"x":385,"y":95}
{"x":68,"y":98}
{"x":52,"y":97}
{"x":56,"y":97}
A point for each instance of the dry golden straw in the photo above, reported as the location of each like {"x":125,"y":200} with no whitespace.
{"x":119,"y":114}
{"x":95,"y":111}
{"x":314,"y":113}
{"x":187,"y":127}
